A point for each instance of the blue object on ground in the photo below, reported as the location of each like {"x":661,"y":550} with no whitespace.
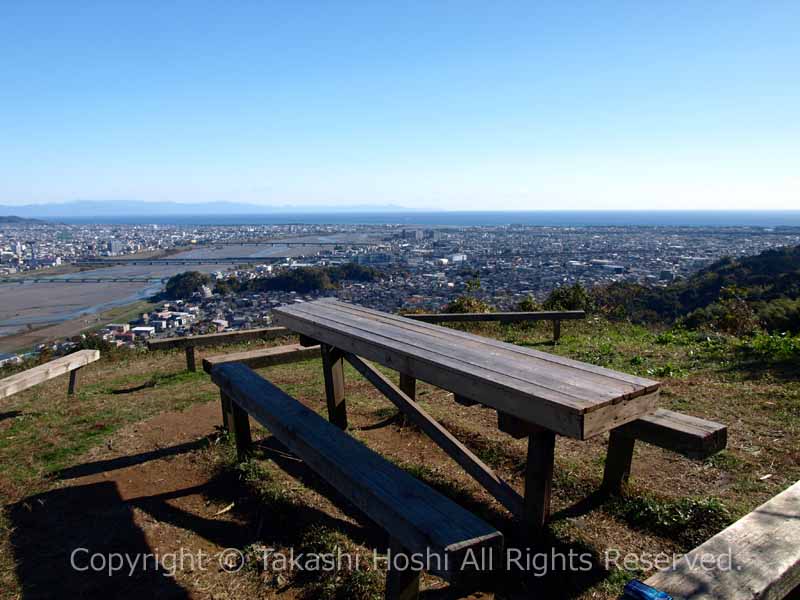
{"x":636,"y":590}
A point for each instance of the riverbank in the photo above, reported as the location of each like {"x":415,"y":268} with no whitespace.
{"x":34,"y":336}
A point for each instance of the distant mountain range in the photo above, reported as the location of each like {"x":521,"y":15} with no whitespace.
{"x":124,"y":208}
{"x":13,"y":219}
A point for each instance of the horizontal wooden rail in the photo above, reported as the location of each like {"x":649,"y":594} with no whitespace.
{"x":218,"y":339}
{"x":49,"y":370}
{"x":556,"y":316}
{"x":189,"y":343}
{"x":264,"y":357}
{"x":503,"y":317}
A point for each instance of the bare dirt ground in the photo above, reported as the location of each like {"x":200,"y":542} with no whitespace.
{"x":139,"y":469}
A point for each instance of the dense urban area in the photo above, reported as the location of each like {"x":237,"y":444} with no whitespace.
{"x":248,"y":270}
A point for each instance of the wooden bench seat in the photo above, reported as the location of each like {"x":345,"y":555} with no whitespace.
{"x":49,"y":370}
{"x":691,"y":436}
{"x":758,"y":558}
{"x":264,"y":357}
{"x":417,"y":518}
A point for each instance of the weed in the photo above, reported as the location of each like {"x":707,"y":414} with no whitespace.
{"x":688,"y":520}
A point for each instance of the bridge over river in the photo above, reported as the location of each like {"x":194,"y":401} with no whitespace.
{"x":79,"y":279}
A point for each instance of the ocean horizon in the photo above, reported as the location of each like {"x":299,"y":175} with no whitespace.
{"x":566,"y":218}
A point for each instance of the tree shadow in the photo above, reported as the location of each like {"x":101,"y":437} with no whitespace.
{"x":524,"y":576}
{"x":50,"y":531}
{"x":102,"y":466}
{"x":754,"y":369}
{"x":12,"y":414}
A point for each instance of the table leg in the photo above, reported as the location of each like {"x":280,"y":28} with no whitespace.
{"x":618,"y":462}
{"x":333,"y":371}
{"x":539,"y":479}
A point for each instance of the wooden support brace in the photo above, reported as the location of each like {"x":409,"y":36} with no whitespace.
{"x":476,"y":468}
{"x":539,"y":479}
{"x":618,"y":462}
{"x":73,"y":382}
{"x":556,"y":330}
{"x":333,"y":371}
{"x":241,"y":430}
{"x":401,"y":584}
{"x":190,"y":362}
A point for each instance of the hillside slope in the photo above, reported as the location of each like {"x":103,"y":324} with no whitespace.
{"x":142,"y":434}
{"x":764,"y":288}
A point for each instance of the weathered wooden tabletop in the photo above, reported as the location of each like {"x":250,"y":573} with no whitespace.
{"x":565,"y":396}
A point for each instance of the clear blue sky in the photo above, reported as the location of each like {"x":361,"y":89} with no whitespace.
{"x":441,"y":105}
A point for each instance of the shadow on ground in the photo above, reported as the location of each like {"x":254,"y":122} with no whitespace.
{"x":50,"y":531}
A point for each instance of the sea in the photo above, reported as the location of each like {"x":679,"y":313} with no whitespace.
{"x":621,"y":218}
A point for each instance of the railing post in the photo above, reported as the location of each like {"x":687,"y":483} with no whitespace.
{"x":556,"y":330}
{"x":190,"y":363}
{"x":333,"y":371}
{"x":73,"y":381}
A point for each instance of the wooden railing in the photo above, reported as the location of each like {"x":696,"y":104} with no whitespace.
{"x":189,"y":343}
{"x":49,"y":370}
{"x":556,"y":316}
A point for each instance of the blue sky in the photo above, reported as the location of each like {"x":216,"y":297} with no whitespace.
{"x":440,"y":105}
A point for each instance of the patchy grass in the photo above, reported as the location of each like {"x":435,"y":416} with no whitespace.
{"x":690,"y":521}
{"x":738,"y":382}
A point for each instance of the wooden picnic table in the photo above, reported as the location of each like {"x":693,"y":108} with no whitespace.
{"x":537,"y":392}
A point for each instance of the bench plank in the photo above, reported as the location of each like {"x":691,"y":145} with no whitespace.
{"x":418,"y":517}
{"x":764,"y":551}
{"x":685,"y":434}
{"x":569,"y":397}
{"x":49,"y":370}
{"x":264,"y":357}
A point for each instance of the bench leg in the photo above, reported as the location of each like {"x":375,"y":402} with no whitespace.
{"x":73,"y":381}
{"x":190,"y":363}
{"x":400,"y":585}
{"x":556,"y":331}
{"x":333,"y":370}
{"x":539,"y":479}
{"x":241,"y":430}
{"x":618,"y":462}
{"x":227,"y":409}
